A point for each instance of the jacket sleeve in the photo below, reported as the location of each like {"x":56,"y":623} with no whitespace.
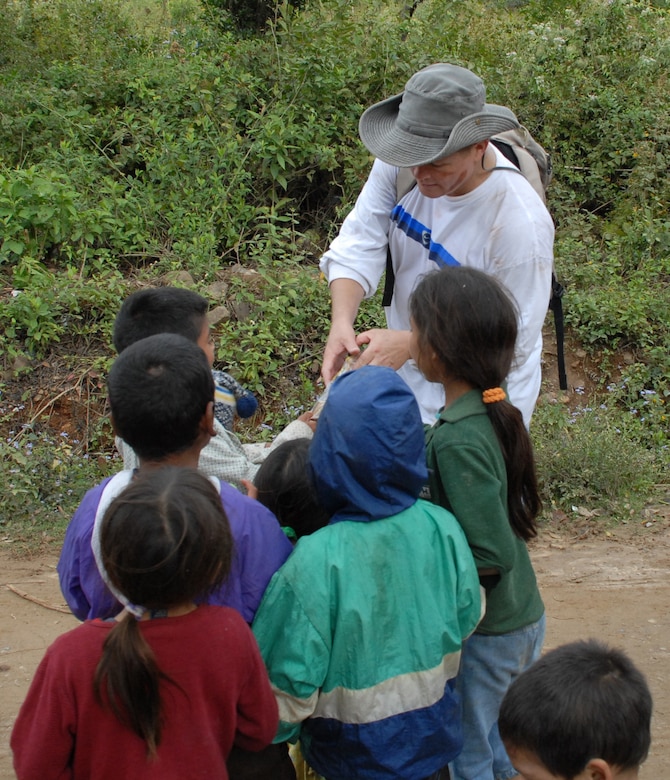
{"x":470,"y":595}
{"x":297,"y":429}
{"x":81,"y":584}
{"x":257,"y":714}
{"x":296,"y":655}
{"x":224,"y":457}
{"x":261,"y":547}
{"x":359,"y":250}
{"x":43,"y":737}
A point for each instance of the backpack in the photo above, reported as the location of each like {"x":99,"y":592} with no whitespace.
{"x":534,"y":163}
{"x":524,"y":152}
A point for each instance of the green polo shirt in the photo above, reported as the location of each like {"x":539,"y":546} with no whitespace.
{"x":467,"y":476}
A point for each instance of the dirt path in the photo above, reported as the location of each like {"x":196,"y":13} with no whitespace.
{"x":615,"y":588}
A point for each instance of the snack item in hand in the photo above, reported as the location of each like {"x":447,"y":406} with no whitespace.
{"x":348,"y":365}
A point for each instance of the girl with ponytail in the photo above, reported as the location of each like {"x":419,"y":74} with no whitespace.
{"x":481,"y":468}
{"x":166,"y":688}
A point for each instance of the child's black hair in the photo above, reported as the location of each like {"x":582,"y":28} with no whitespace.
{"x":159,"y":389}
{"x":581,"y":701}
{"x":470,"y":322}
{"x":159,"y":310}
{"x":285,"y":487}
{"x":165,"y":540}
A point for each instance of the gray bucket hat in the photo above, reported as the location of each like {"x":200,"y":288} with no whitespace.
{"x":443,"y":109}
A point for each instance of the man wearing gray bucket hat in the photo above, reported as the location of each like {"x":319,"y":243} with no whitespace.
{"x":467,"y":208}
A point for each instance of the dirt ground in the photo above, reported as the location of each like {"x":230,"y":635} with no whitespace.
{"x":613,"y":586}
{"x":610,"y":583}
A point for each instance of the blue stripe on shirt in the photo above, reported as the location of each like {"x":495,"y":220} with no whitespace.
{"x":420,"y":233}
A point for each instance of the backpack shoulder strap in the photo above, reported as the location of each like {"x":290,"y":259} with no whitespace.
{"x":404,"y":183}
{"x":556,"y":305}
{"x":524,"y":152}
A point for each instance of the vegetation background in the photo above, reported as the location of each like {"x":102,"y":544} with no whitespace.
{"x":215,"y":145}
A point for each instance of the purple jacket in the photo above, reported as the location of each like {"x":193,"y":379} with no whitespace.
{"x":260,"y":549}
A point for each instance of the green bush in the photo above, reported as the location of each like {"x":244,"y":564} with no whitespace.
{"x":43,"y":476}
{"x":128,"y":150}
{"x":274,"y":350}
{"x":37,"y":32}
{"x":589,"y":457}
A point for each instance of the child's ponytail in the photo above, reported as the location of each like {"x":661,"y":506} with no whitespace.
{"x":165,"y":543}
{"x":470,"y":323}
{"x":523,"y":499}
{"x":127,"y":680}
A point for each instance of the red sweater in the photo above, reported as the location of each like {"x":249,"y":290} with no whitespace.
{"x":222,"y":695}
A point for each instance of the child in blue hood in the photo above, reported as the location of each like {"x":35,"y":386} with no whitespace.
{"x":361,"y":629}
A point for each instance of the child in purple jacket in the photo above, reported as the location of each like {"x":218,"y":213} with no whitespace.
{"x":161,"y":395}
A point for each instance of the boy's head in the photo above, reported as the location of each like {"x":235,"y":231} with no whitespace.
{"x":165,"y":539}
{"x":163,"y":310}
{"x":582,"y":712}
{"x":368,"y":457}
{"x":161,"y":394}
{"x":284,"y":485}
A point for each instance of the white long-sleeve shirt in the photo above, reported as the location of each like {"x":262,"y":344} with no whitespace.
{"x":501,"y":227}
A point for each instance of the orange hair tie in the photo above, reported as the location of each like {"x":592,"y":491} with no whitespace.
{"x":493,"y":395}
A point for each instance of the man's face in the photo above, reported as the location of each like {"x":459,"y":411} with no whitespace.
{"x":457,"y":174}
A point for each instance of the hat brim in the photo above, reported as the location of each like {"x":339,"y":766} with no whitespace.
{"x":379,"y":131}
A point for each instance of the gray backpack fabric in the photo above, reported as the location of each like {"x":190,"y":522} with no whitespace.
{"x":524,"y":152}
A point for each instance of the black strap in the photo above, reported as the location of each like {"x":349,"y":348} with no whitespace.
{"x":389,"y":282}
{"x":556,"y":305}
{"x":507,"y":151}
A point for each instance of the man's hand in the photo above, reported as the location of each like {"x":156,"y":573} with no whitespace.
{"x":346,"y":296}
{"x":341,"y":342}
{"x":384,"y":348}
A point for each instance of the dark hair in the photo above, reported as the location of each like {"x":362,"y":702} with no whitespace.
{"x":470,"y":322}
{"x":581,"y":701}
{"x":159,"y":389}
{"x":165,"y":540}
{"x":285,"y":487}
{"x":159,"y":310}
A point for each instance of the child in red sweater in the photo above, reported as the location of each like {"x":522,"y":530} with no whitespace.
{"x":166,"y":688}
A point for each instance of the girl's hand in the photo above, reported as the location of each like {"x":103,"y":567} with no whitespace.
{"x":384,"y":348}
{"x":252,"y":490}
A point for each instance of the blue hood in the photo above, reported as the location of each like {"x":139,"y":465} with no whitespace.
{"x":368,"y":456}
